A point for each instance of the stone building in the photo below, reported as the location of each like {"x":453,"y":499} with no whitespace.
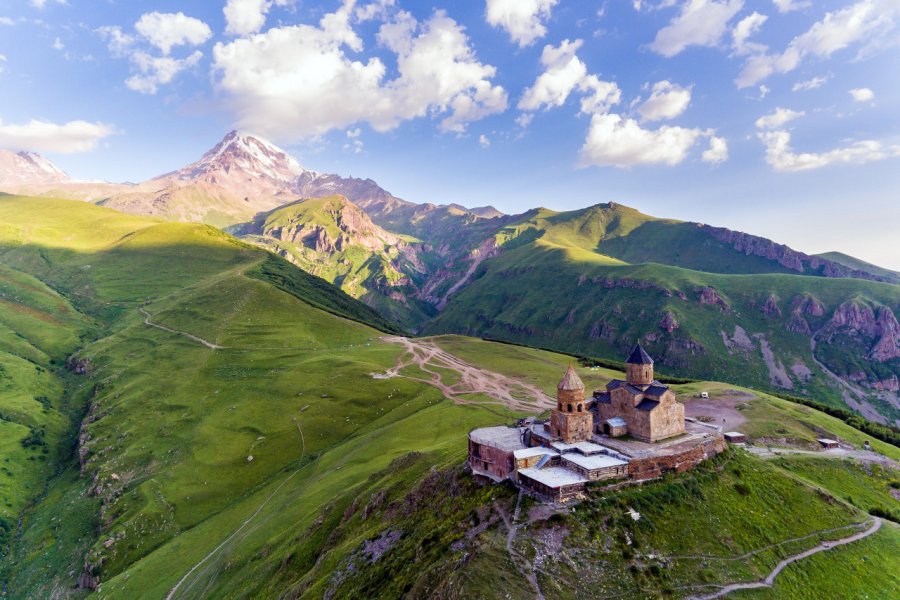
{"x":571,"y":421}
{"x":648,"y":408}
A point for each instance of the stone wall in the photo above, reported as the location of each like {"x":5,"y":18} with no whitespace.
{"x":497,"y":463}
{"x":598,"y":474}
{"x":667,"y":419}
{"x":572,"y":427}
{"x":656,"y":466}
{"x":639,"y":374}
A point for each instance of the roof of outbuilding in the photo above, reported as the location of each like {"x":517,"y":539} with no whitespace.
{"x":570,"y":381}
{"x":639,"y":357}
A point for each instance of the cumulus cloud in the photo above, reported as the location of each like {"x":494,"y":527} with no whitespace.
{"x":614,"y":140}
{"x":298,"y":81}
{"x":564,"y":73}
{"x":809,"y":84}
{"x":163,"y":32}
{"x":7,"y":21}
{"x":863,"y":22}
{"x":43,"y":136}
{"x":523,"y":20}
{"x":698,"y":23}
{"x":243,"y":17}
{"x":717,"y":151}
{"x":667,"y":101}
{"x":782,"y":157}
{"x":741,"y":33}
{"x":154,"y":71}
{"x":778,"y":118}
{"x":167,"y":30}
{"x":483,"y":141}
{"x":862,"y":94}
{"x":784,"y":6}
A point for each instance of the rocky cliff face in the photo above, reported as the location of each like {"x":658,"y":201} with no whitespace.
{"x":787,"y":257}
{"x":878,"y":325}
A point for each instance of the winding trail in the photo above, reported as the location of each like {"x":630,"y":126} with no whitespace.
{"x":525,"y":566}
{"x":246,"y":522}
{"x":190,"y":336}
{"x":770,"y":578}
{"x":429,"y":357}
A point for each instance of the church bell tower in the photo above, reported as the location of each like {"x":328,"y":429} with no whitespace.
{"x":571,"y":421}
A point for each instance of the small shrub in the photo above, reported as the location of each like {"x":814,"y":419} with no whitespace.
{"x":742,"y":489}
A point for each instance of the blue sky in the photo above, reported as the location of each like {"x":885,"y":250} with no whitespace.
{"x":776,"y":117}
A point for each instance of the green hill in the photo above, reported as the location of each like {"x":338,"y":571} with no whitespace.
{"x":592,"y":281}
{"x":224,"y":428}
{"x":855,"y":263}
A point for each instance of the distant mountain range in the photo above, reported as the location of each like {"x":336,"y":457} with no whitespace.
{"x":709,"y":302}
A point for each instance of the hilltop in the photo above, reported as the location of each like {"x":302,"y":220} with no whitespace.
{"x":217,"y":422}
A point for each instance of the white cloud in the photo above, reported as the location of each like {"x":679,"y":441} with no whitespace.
{"x":789,"y":5}
{"x":564,"y":73}
{"x":43,"y":136}
{"x":617,"y":141}
{"x":699,"y":23}
{"x":297,"y":81}
{"x":524,"y":120}
{"x":167,"y":30}
{"x":243,"y":17}
{"x":781,"y":156}
{"x":667,"y":101}
{"x":865,"y":21}
{"x":58,"y":44}
{"x":484,"y":141}
{"x":862,"y":94}
{"x":809,"y":84}
{"x":522,"y":19}
{"x":7,"y":21}
{"x":163,"y":31}
{"x":43,"y":3}
{"x":374,"y":10}
{"x":763,"y":91}
{"x":741,"y":33}
{"x":717,"y":151}
{"x":154,"y":71}
{"x":778,"y":118}
{"x":354,"y":133}
{"x":2,"y":60}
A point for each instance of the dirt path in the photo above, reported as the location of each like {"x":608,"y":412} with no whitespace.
{"x":175,"y":590}
{"x":525,"y":566}
{"x":430,"y":358}
{"x":865,"y":456}
{"x":770,"y":578}
{"x":147,"y":321}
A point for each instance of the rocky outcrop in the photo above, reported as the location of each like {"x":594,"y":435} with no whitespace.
{"x":752,"y":245}
{"x":709,"y":295}
{"x":797,"y":324}
{"x":807,"y":305}
{"x":668,"y":322}
{"x":770,"y":307}
{"x":878,"y":325}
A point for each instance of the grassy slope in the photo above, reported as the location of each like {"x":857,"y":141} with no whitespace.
{"x":855,"y":263}
{"x":172,"y":424}
{"x":594,"y":304}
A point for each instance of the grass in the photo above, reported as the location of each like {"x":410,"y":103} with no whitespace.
{"x":863,"y":569}
{"x":164,"y":473}
{"x":567,"y":289}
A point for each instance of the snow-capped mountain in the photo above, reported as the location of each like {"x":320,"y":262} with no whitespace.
{"x":28,"y":168}
{"x":240,"y":158}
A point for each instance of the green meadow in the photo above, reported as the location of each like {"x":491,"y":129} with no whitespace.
{"x":212,"y":428}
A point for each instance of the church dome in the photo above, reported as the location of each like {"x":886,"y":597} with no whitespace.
{"x":639,"y":357}
{"x":570,"y":381}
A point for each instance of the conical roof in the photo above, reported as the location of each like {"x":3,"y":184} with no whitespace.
{"x":639,"y":357}
{"x":570,"y":381}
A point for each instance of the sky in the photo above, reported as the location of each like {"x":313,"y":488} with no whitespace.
{"x":780,"y":118}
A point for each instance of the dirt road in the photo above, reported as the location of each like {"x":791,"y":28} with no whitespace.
{"x":721,"y":409}
{"x":431,"y":359}
{"x":770,"y":579}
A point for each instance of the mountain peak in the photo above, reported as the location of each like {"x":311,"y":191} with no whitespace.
{"x":29,"y":168}
{"x":243,"y":156}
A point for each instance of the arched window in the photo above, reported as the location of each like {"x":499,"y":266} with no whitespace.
{"x":569,"y":407}
{"x":559,"y":406}
{"x":580,"y":408}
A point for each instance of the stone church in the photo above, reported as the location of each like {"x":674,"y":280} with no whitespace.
{"x":640,"y":406}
